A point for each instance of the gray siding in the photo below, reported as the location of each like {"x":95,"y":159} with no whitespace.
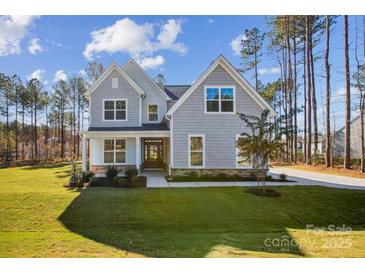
{"x":220,"y":129}
{"x":355,"y":140}
{"x":152,"y":94}
{"x":105,"y":91}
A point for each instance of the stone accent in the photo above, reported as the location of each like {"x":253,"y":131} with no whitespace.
{"x":102,"y":169}
{"x":245,"y":173}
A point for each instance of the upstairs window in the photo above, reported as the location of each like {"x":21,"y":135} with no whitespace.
{"x":114,"y":82}
{"x":220,"y":99}
{"x":115,"y":110}
{"x":152,"y":112}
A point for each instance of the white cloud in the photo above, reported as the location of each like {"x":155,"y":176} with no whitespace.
{"x":137,"y":40}
{"x":271,"y":70}
{"x":34,"y":46}
{"x":12,"y":30}
{"x":151,"y":63}
{"x":60,"y":75}
{"x":211,"y":21}
{"x":167,"y":37}
{"x":37,"y":74}
{"x":236,"y":44}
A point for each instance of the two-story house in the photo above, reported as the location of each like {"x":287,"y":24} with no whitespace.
{"x":135,"y":122}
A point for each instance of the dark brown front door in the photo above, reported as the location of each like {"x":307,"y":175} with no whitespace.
{"x":153,"y":153}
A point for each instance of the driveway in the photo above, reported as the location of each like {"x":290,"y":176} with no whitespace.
{"x":156,"y":179}
{"x":316,"y":178}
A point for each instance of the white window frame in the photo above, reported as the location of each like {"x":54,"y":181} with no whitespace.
{"x":115,"y":110}
{"x":220,"y":100}
{"x":189,"y":149}
{"x":148,"y":113}
{"x":115,"y":83}
{"x":114,"y":151}
{"x":237,"y":152}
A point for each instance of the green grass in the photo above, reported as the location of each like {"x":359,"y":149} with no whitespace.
{"x":41,"y":218}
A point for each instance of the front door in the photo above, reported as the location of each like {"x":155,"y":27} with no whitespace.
{"x":153,"y":153}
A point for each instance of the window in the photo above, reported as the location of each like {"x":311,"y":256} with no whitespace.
{"x":152,"y":112}
{"x":114,"y":82}
{"x":220,"y":99}
{"x":115,"y":151}
{"x":241,"y":162}
{"x":196,"y":150}
{"x":115,"y":110}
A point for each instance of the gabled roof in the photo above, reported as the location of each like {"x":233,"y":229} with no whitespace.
{"x":176,"y":91}
{"x":106,"y":73}
{"x":231,"y":70}
{"x":146,"y":77}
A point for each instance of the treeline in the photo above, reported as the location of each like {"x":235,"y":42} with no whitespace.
{"x":293,"y":41}
{"x":41,"y":125}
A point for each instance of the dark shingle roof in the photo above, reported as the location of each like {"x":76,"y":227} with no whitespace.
{"x":176,"y":91}
{"x":144,"y":127}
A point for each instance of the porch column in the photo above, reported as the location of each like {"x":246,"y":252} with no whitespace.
{"x":138,"y":154}
{"x":84,"y":153}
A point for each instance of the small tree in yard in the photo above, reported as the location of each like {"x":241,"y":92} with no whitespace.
{"x":262,"y":143}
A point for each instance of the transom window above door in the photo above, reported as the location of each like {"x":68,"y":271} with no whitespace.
{"x":115,"y":110}
{"x":220,"y":99}
{"x":152,"y":112}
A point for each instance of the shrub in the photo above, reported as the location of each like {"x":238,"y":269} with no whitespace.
{"x":283,"y":177}
{"x":74,"y":178}
{"x":130,"y":172}
{"x":93,"y":181}
{"x":120,"y":182}
{"x":221,"y":176}
{"x":86,"y":177}
{"x":111,"y":172}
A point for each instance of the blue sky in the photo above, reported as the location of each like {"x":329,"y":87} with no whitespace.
{"x":180,"y":47}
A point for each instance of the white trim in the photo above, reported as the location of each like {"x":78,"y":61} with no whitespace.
{"x":114,"y":150}
{"x":146,"y":76}
{"x":219,"y":87}
{"x":106,"y":73}
{"x":148,"y":113}
{"x":221,"y":60}
{"x":126,"y":134}
{"x":237,"y":151}
{"x":115,"y":110}
{"x":140,"y":111}
{"x":171,"y":143}
{"x":189,"y":137}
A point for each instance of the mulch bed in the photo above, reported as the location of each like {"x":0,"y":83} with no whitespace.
{"x":105,"y":182}
{"x":264,"y":192}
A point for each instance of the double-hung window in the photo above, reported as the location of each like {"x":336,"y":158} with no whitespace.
{"x":152,"y":112}
{"x":115,"y":110}
{"x":196,"y":150}
{"x":115,"y":151}
{"x":220,"y":99}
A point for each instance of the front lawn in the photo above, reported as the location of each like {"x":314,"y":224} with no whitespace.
{"x":41,"y":218}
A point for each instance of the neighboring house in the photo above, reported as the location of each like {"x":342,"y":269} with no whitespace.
{"x":136,"y":123}
{"x":320,"y":144}
{"x":355,"y":140}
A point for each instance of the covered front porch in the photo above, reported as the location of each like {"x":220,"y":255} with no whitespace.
{"x":144,"y":150}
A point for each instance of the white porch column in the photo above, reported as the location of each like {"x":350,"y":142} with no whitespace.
{"x":138,"y":154}
{"x":84,"y":153}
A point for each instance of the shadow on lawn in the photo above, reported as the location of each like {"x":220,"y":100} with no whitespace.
{"x":173,"y":223}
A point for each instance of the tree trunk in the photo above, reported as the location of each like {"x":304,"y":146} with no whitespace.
{"x":16,"y":125}
{"x":7,"y":130}
{"x":35,"y":134}
{"x":309,"y":85}
{"x":328,"y":95}
{"x":23,"y":135}
{"x":305,"y":102}
{"x":314,"y":99}
{"x":348,"y":98}
{"x":295,"y":102}
{"x":256,"y":78}
{"x":289,"y":89}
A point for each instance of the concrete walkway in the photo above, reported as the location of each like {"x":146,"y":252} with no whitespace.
{"x":156,"y":179}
